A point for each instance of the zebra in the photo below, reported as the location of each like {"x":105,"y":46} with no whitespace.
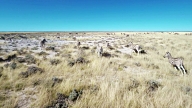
{"x":99,"y":50}
{"x":176,"y":62}
{"x":58,"y":37}
{"x":42,"y":43}
{"x":135,"y":47}
{"x":78,"y":44}
{"x":109,"y":46}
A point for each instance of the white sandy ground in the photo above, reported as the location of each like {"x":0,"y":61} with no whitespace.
{"x":31,"y":43}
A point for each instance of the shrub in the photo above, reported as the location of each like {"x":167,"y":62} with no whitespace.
{"x":85,"y":48}
{"x":1,"y":69}
{"x":50,"y":48}
{"x":73,"y":95}
{"x":19,"y":86}
{"x":30,"y":71}
{"x":30,"y":59}
{"x":36,"y":82}
{"x":63,"y":101}
{"x":80,"y":60}
{"x":13,"y":65}
{"x":42,"y":53}
{"x":152,"y":85}
{"x":54,"y":61}
{"x":71,"y":63}
{"x":20,"y":59}
{"x":106,"y":54}
{"x":6,"y":65}
{"x":7,"y":86}
{"x":134,"y":84}
{"x":21,"y":51}
{"x":34,"y":48}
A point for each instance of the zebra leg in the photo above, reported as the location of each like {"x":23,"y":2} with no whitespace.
{"x":181,"y":70}
{"x":176,"y":68}
{"x":137,"y":52}
{"x":98,"y":54}
{"x":134,"y":51}
{"x":182,"y":67}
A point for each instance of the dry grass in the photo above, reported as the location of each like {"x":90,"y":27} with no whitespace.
{"x":116,"y":82}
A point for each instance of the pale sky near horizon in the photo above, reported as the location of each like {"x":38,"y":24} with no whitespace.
{"x":95,"y":15}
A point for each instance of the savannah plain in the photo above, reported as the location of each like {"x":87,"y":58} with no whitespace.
{"x":61,"y":75}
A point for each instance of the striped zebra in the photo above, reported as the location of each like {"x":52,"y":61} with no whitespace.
{"x":99,"y":50}
{"x":78,"y":44}
{"x":109,"y":46}
{"x":135,"y":47}
{"x":42,"y":43}
{"x":176,"y":62}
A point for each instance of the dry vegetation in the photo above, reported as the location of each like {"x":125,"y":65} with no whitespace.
{"x":78,"y":78}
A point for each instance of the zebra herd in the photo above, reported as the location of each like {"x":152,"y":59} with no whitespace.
{"x":175,"y":62}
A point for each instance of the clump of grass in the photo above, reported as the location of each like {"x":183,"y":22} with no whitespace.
{"x":152,"y":85}
{"x":85,"y":47}
{"x":30,"y":59}
{"x":20,"y":59}
{"x":138,"y":64}
{"x":7,"y":86}
{"x":127,"y":56}
{"x":50,"y":48}
{"x":55,"y":61}
{"x":42,"y":53}
{"x":71,"y":63}
{"x":13,"y":65}
{"x":19,"y":86}
{"x":74,"y":95}
{"x":34,"y":48}
{"x":2,"y":97}
{"x":37,"y":82}
{"x":153,"y":66}
{"x":133,"y":84}
{"x":30,"y":71}
{"x":106,"y":54}
{"x":64,"y":101}
{"x":1,"y":69}
{"x":80,"y":60}
{"x":21,"y":51}
{"x":66,"y":55}
{"x":8,"y":57}
{"x":81,"y":53}
{"x":6,"y":65}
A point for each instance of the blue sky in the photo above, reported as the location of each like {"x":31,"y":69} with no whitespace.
{"x":95,"y":15}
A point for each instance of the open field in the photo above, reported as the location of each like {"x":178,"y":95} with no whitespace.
{"x":60,"y":75}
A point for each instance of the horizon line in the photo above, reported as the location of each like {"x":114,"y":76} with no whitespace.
{"x":89,"y":31}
